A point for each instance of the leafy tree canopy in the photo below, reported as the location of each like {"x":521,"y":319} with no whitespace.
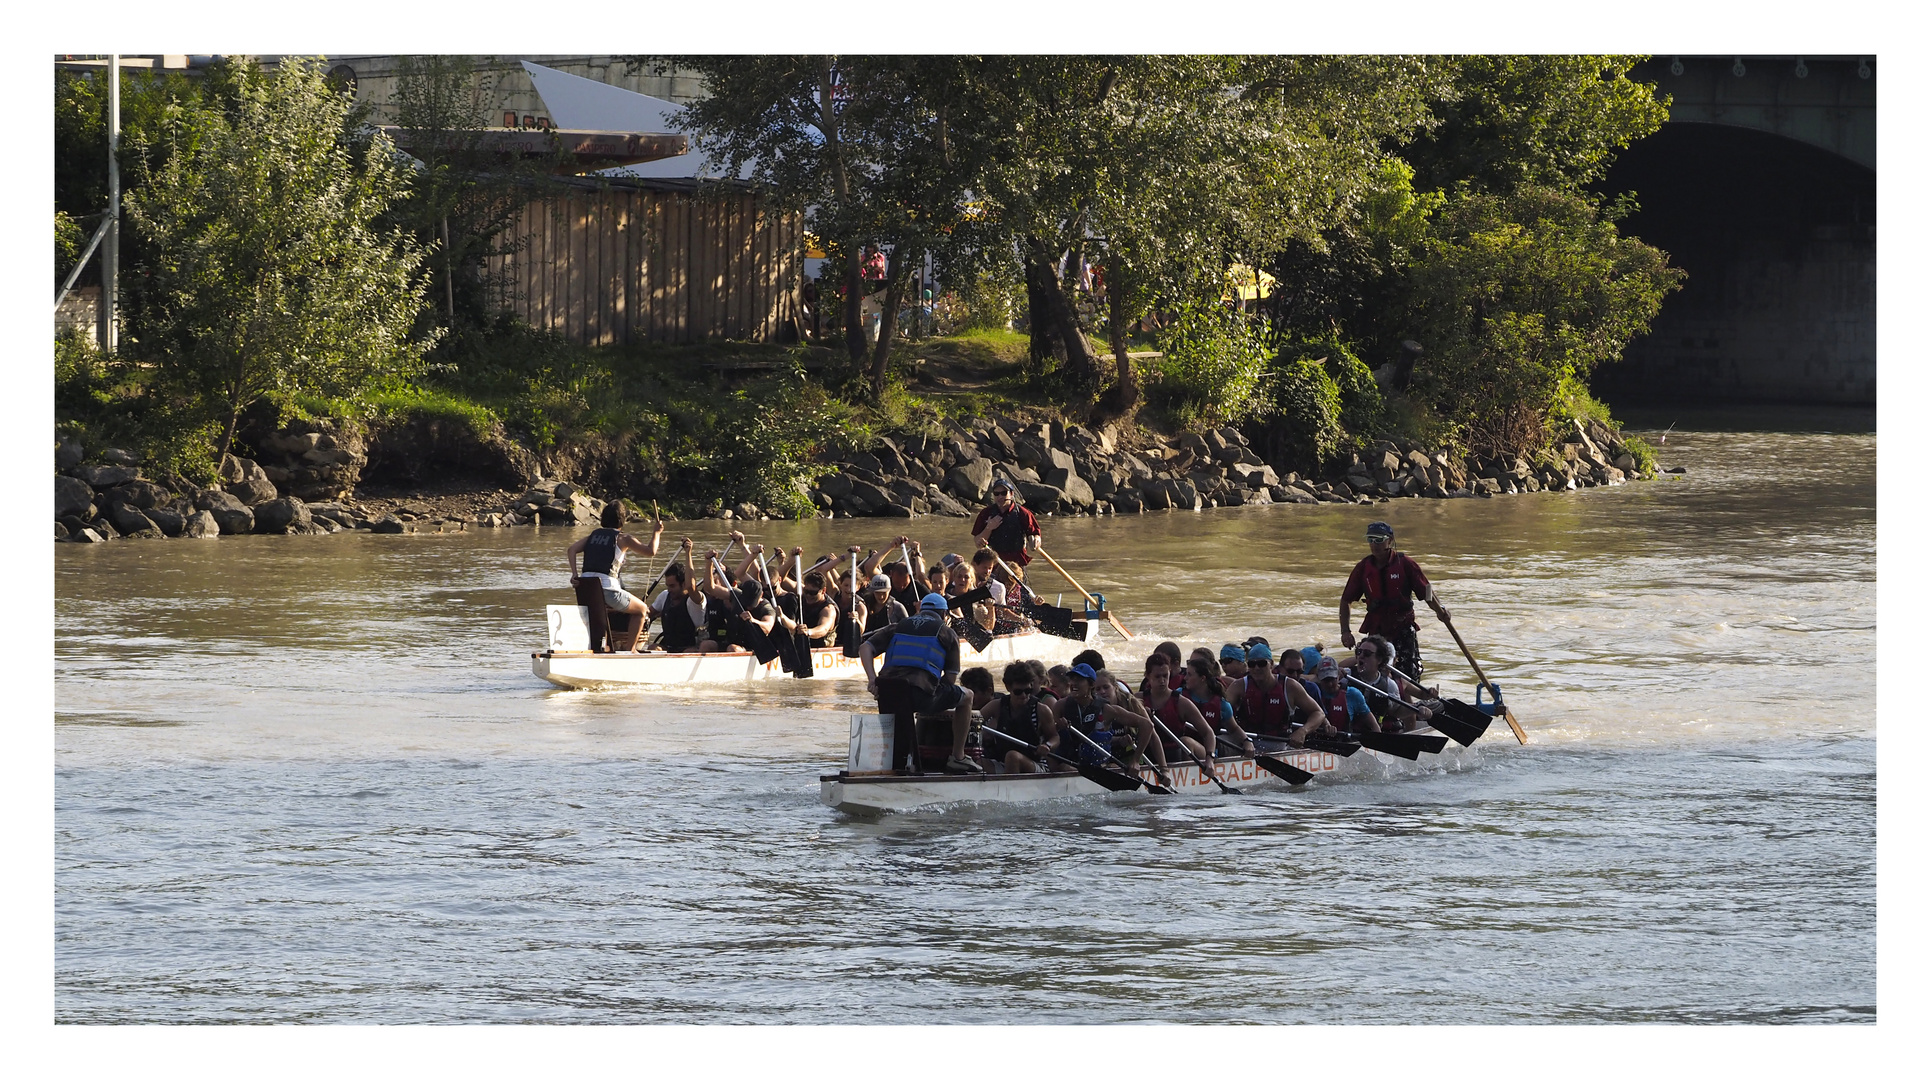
{"x":270,"y":275}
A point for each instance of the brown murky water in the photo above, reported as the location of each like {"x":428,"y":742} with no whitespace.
{"x":312,"y":779}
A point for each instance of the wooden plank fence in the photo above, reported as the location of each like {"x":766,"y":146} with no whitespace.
{"x":632,"y":263}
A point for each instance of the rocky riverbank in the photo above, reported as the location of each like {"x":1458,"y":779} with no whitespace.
{"x":1065,"y":469}
{"x":307,"y":480}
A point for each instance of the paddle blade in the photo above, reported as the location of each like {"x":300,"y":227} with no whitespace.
{"x":805,"y":668}
{"x":1283,"y":770}
{"x":1337,"y":747}
{"x":1397,"y":745}
{"x":1520,"y":736}
{"x":1461,"y":721}
{"x":849,"y":637}
{"x":1108,"y":779}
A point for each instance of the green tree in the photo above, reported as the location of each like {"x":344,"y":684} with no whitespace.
{"x":1516,"y":299}
{"x":270,"y":277}
{"x":1166,"y":169}
{"x":861,"y":144}
{"x":1538,"y":121}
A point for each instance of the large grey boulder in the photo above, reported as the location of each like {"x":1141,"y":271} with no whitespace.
{"x":944,"y":504}
{"x":128,"y":519}
{"x":253,"y":491}
{"x":216,"y":500}
{"x":1074,"y":492}
{"x":106,"y":476}
{"x":200,"y":525}
{"x":387,"y":523}
{"x":235,"y":470}
{"x":970,"y":481}
{"x":281,"y":516}
{"x":85,"y":536}
{"x":872,"y":498}
{"x":68,"y":454}
{"x":72,"y":497}
{"x":1128,"y":502}
{"x":120,"y":457}
{"x":1040,"y":498}
{"x":234,"y":521}
{"x":141,"y":493}
{"x":904,"y":492}
{"x":166,"y":519}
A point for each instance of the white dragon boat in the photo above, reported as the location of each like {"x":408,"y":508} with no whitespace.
{"x":864,"y":787}
{"x":568,"y":662}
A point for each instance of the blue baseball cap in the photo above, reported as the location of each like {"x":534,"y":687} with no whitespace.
{"x":1084,"y":671}
{"x":1259,"y":651}
{"x":934,"y":602}
{"x":1310,"y":658}
{"x":1233,"y":652}
{"x":1381,"y":529}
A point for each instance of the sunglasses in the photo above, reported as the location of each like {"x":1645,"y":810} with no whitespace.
{"x":1293,"y":671}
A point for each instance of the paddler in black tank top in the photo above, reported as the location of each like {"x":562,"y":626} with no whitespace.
{"x":603,"y":554}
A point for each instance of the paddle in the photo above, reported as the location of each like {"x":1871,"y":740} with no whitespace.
{"x":1279,"y":768}
{"x":1090,"y":602}
{"x":758,"y":641}
{"x":1157,"y":789}
{"x":801,"y":641}
{"x":848,"y":635}
{"x":1391,"y":742}
{"x":779,"y":637}
{"x":1520,"y":737}
{"x":1111,"y":781}
{"x":1206,"y":770}
{"x":1458,"y":719}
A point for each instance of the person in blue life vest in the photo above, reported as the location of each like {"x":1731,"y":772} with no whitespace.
{"x":1390,"y":582}
{"x":603,"y":554}
{"x":919,"y":674}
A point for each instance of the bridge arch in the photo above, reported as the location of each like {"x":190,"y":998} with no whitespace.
{"x":1771,"y":210}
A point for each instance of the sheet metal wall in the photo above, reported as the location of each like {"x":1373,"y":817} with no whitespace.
{"x":621,"y":265}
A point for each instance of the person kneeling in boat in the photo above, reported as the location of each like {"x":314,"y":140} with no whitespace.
{"x":1344,"y":708}
{"x":603,"y":554}
{"x":1024,"y":714}
{"x":920,"y":674}
{"x":1203,"y":687}
{"x":818,"y":612}
{"x":1370,"y":664}
{"x":1271,"y":706}
{"x":1094,"y":707}
{"x":1180,"y":716}
{"x":737,"y":616}
{"x":681,"y":608}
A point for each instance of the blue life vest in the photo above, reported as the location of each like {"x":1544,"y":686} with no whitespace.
{"x":915,"y":644}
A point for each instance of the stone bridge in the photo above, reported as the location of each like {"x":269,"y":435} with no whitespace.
{"x":1763,"y":188}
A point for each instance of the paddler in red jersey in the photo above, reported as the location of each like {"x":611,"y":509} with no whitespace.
{"x":1006,"y":527}
{"x":1390,"y":582}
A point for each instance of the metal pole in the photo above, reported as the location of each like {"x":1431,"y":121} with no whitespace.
{"x":108,"y":328}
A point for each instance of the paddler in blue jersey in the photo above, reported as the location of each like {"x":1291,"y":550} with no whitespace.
{"x":920,"y":674}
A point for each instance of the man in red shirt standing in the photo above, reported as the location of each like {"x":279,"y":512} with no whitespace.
{"x":1006,"y":527}
{"x":1390,"y":582}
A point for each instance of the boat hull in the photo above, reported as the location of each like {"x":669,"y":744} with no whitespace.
{"x":579,"y":669}
{"x":881,"y":794}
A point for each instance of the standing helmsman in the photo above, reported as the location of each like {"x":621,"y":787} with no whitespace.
{"x":1390,"y":582}
{"x":1006,"y":527}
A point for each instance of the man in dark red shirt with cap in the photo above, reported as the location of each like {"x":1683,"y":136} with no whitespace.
{"x":1390,"y":582}
{"x":1006,"y":527}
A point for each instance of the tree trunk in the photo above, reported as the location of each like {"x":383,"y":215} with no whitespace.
{"x":896,"y":275}
{"x":854,"y":307}
{"x":1082,"y":367}
{"x":1119,"y":399}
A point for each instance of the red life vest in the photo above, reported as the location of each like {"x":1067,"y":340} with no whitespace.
{"x":1390,"y":606}
{"x":1169,"y":715}
{"x":1337,"y":707}
{"x":1267,"y":710}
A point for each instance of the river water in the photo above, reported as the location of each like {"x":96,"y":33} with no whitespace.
{"x":311,"y":779}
